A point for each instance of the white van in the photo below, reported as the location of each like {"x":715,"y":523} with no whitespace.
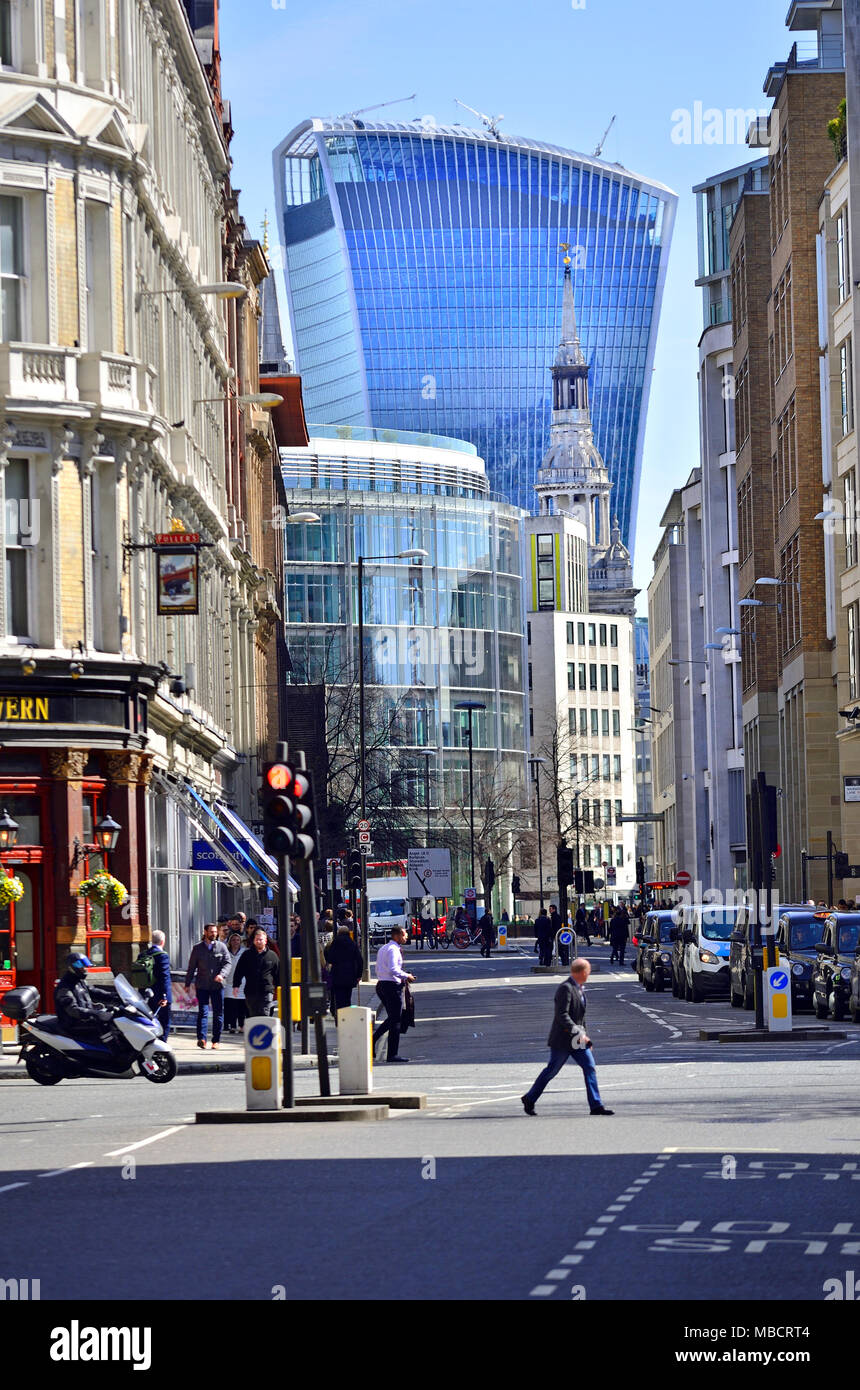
{"x":706,"y":931}
{"x":387,"y":907}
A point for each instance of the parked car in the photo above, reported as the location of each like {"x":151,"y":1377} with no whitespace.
{"x":831,"y":974}
{"x":741,"y":965}
{"x":798,"y":932}
{"x":854,"y":997}
{"x":658,"y":934}
{"x":705,"y":930}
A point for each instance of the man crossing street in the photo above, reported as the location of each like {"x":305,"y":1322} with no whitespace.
{"x":569,"y":1040}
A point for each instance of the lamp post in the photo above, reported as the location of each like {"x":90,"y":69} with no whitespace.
{"x":535,"y":765}
{"x":470,"y":706}
{"x":429,"y":754}
{"x":362,"y":560}
{"x":8,"y":831}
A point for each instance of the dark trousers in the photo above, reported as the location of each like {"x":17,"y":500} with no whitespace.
{"x":341,"y":998}
{"x":428,"y":932}
{"x":545,"y":948}
{"x":214,"y":999}
{"x":584,"y":1059}
{"x":486,"y":944}
{"x":163,"y":1016}
{"x":617,"y":952}
{"x":391,"y":995}
{"x":259,"y":1005}
{"x":234,"y":1013}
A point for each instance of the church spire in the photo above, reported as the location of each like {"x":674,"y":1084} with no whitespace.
{"x":570,"y":352}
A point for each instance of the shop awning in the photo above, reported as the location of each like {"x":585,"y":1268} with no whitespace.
{"x":179,"y":793}
{"x":244,"y":835}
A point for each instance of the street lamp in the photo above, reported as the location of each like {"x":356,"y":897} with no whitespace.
{"x":429,"y":754}
{"x":419,"y":555}
{"x":8,"y":831}
{"x":470,"y":706}
{"x":677,"y":661}
{"x":535,"y":765}
{"x":107,"y":833}
{"x":225,"y":289}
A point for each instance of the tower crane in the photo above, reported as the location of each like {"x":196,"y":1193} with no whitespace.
{"x":491,"y":122}
{"x":351,"y":115}
{"x":599,"y":151}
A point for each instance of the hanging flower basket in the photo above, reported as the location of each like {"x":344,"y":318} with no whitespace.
{"x":103,"y":888}
{"x":11,"y":890}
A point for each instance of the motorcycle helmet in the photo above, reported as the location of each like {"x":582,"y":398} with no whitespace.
{"x":79,"y":965}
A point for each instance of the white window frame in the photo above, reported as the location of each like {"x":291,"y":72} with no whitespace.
{"x":99,"y":277}
{"x":21,"y":277}
{"x":18,"y":548}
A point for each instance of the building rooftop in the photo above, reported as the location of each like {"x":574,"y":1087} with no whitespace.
{"x":301,"y":142}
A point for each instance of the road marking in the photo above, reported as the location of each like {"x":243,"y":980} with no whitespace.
{"x":58,"y":1172}
{"x":455,"y":1018}
{"x":547,"y":1290}
{"x":655,"y":1017}
{"x":12,"y":1185}
{"x":130,"y":1148}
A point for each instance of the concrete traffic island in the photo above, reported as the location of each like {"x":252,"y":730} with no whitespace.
{"x":760,"y":1035}
{"x":312,"y":1109}
{"x":396,"y":1100}
{"x":562,"y":969}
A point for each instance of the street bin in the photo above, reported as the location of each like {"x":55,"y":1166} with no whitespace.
{"x":777,"y":999}
{"x":355,"y":1050}
{"x":263,"y":1047}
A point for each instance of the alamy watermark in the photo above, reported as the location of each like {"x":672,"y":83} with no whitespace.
{"x":710,"y":125}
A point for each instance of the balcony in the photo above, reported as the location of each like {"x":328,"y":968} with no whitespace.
{"x":108,"y":381}
{"x":42,"y":374}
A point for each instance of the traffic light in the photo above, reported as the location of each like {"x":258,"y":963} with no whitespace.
{"x":578,"y":880}
{"x":516,"y":886}
{"x":489,"y":876}
{"x":288,"y":813}
{"x":840,"y":865}
{"x":588,"y":877}
{"x":355,"y":868}
{"x":564,"y":860}
{"x":640,"y":872}
{"x":278,"y":808}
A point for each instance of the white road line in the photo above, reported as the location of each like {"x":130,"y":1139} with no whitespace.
{"x":655,"y":1017}
{"x":58,"y":1172}
{"x":130,"y":1148}
{"x":12,"y":1185}
{"x":455,"y":1018}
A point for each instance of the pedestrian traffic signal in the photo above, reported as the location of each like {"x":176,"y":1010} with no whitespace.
{"x":578,"y":880}
{"x":517,"y":887}
{"x":565,"y":866}
{"x":588,"y":881}
{"x":355,"y":868}
{"x":840,"y":865}
{"x":278,"y":808}
{"x":640,"y":871}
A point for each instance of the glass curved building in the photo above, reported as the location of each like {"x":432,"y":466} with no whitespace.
{"x":422,"y":272}
{"x":436,"y":633}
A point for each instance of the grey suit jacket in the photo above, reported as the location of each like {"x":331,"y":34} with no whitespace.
{"x":567,"y":1025}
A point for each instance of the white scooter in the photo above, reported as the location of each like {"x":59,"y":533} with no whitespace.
{"x":132,"y":1039}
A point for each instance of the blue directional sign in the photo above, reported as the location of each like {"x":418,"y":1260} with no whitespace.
{"x":260,"y":1037}
{"x":565,"y":937}
{"x":779,"y":981}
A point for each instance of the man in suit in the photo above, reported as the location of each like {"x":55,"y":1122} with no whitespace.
{"x":568,"y":1039}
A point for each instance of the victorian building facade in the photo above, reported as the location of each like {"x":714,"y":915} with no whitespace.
{"x":116,"y":357}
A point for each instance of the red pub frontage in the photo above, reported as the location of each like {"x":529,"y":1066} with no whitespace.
{"x":72,"y":752}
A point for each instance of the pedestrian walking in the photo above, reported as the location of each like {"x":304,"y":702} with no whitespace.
{"x":209,"y":965}
{"x":151,"y":971}
{"x":581,"y":924}
{"x":345,"y":963}
{"x":488,"y":934}
{"x":235,"y":1011}
{"x":569,"y":1040}
{"x":543,"y":933}
{"x":619,"y":935}
{"x":390,"y":979}
{"x":260,"y":971}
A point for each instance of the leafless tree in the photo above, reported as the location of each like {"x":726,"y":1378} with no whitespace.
{"x":560,"y":745}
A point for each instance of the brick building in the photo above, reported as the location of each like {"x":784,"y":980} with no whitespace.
{"x":789,"y":702}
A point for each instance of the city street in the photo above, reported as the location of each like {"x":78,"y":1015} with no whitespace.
{"x":746,"y":1152}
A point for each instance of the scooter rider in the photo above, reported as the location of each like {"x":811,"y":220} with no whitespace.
{"x":78,"y":1008}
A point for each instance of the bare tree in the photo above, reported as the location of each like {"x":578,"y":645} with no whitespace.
{"x":498,"y":820}
{"x":560,"y":747}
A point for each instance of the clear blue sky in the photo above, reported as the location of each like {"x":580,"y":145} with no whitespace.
{"x":558,"y":73}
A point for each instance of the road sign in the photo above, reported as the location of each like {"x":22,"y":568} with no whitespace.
{"x":853,"y":871}
{"x":777,"y":1000}
{"x":565,"y":938}
{"x":470,"y":895}
{"x":366,"y":850}
{"x":611,"y":874}
{"x":682,"y":878}
{"x":598,"y":884}
{"x":429,"y":873}
{"x":364,"y":837}
{"x":364,"y":825}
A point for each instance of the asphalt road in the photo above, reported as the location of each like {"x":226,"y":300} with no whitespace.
{"x":727,"y":1172}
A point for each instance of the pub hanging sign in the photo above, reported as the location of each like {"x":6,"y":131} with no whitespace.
{"x":177,"y":560}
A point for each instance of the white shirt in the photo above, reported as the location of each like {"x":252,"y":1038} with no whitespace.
{"x":389,"y":963}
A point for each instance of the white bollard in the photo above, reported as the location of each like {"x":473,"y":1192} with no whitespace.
{"x":263,"y":1047}
{"x":777,"y":999}
{"x":355,"y":1051}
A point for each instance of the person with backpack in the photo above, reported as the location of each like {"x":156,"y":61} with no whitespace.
{"x":151,"y":971}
